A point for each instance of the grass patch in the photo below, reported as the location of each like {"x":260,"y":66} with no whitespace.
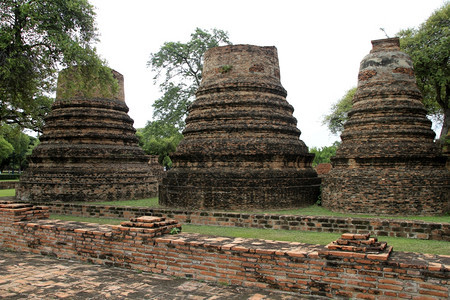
{"x":149,"y":202}
{"x":9,"y":180}
{"x":8,"y":193}
{"x":320,"y":238}
{"x":86,"y":219}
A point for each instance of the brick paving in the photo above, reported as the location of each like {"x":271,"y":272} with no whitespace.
{"x":31,"y":276}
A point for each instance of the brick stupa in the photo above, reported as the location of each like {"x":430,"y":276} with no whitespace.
{"x":88,"y":151}
{"x":241,"y":146}
{"x":388,"y":162}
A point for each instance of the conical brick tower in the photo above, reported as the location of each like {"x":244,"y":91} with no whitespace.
{"x":241,"y":146}
{"x":388,"y":162}
{"x":88,"y":151}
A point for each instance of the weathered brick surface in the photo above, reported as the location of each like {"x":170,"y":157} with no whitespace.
{"x":388,"y":162}
{"x":7,"y":185}
{"x":241,"y":146}
{"x":323,"y":169}
{"x":379,"y":227}
{"x":88,"y":152}
{"x":308,"y":270}
{"x":157,"y":169}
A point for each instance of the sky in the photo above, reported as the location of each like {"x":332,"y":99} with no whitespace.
{"x":320,"y":44}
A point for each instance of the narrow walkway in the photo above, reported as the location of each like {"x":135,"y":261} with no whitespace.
{"x":30,"y":276}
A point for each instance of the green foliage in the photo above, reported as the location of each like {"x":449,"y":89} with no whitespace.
{"x":225,"y":69}
{"x":338,"y":116}
{"x":175,"y":230}
{"x":429,"y":48}
{"x":323,"y":154}
{"x":36,"y":39}
{"x":6,"y":149}
{"x":178,"y":68}
{"x":21,"y":145}
{"x":160,"y":138}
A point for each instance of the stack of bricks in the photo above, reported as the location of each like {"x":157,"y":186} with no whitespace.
{"x":241,"y":146}
{"x":359,"y":245}
{"x":15,"y":212}
{"x":153,"y":226}
{"x":388,"y":162}
{"x":88,"y":151}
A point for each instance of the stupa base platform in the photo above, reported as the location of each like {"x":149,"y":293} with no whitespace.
{"x":246,"y":190}
{"x":381,"y":191}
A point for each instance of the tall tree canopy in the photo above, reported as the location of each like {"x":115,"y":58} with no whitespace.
{"x":37,"y":38}
{"x":324,"y":154}
{"x":19,"y":144}
{"x":429,"y":48}
{"x":338,"y":116}
{"x":159,"y":138}
{"x":178,"y":68}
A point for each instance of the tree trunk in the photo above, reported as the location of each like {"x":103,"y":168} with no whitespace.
{"x":445,"y":124}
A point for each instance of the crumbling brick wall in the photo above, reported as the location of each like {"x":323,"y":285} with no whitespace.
{"x":358,"y":267}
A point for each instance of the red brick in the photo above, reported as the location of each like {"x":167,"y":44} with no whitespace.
{"x":434,"y":293}
{"x":434,"y":287}
{"x":390,"y":287}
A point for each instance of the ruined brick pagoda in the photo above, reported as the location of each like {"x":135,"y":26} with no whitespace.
{"x":241,"y":146}
{"x":88,"y":151}
{"x":388,"y":162}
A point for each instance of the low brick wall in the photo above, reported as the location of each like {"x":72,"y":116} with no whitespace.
{"x":378,"y":227}
{"x":6,"y":185}
{"x":308,"y":270}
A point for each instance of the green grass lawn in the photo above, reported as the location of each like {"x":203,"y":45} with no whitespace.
{"x":321,"y":238}
{"x":86,"y":219}
{"x":8,"y":193}
{"x":149,"y":202}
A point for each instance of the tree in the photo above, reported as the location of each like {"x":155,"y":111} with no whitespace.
{"x":178,"y":68}
{"x":159,"y":138}
{"x":429,"y":48}
{"x":338,"y":116}
{"x":20,"y":143}
{"x":324,"y":154}
{"x":6,"y":149}
{"x":37,"y":38}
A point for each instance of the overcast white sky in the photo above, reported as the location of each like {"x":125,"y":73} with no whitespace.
{"x":320,"y":43}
